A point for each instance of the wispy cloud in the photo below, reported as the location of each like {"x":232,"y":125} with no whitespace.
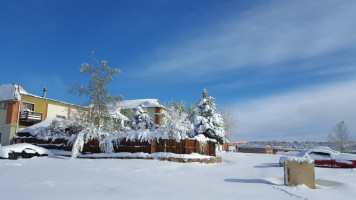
{"x":277,"y":33}
{"x":306,"y":114}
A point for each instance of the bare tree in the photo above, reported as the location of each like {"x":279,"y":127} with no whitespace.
{"x":230,"y":121}
{"x":340,"y":139}
{"x":100,"y":76}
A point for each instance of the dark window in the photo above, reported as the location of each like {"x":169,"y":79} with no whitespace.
{"x":28,"y":106}
{"x":2,"y":105}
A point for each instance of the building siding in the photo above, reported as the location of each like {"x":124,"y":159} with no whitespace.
{"x":54,"y":110}
{"x":3,"y":114}
{"x":7,"y":132}
{"x":12,"y":109}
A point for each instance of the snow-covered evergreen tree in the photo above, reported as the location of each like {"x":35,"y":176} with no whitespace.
{"x":177,"y":125}
{"x":141,"y":120}
{"x":207,"y":121}
{"x":191,"y":112}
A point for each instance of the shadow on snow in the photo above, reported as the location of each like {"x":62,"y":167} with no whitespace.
{"x":250,"y":181}
{"x":267,"y":165}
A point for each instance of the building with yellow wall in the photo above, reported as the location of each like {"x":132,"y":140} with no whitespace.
{"x":19,"y":109}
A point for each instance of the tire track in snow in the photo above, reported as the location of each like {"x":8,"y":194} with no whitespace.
{"x":290,"y":194}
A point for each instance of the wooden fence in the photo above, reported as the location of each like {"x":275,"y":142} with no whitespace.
{"x":187,"y":146}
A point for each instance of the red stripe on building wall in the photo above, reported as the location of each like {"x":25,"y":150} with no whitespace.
{"x":11,"y":114}
{"x":46,"y":111}
{"x":157,"y":116}
{"x":69,"y":108}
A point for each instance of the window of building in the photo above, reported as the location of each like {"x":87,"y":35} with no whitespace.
{"x":28,"y":106}
{"x":2,"y":105}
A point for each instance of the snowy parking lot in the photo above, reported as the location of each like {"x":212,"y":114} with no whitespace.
{"x":239,"y":176}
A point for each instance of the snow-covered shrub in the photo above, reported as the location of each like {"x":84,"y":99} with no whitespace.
{"x":177,"y":126}
{"x":141,"y":120}
{"x":207,"y":121}
{"x":145,"y":135}
{"x":53,"y":130}
{"x":202,"y":140}
{"x":112,"y":127}
{"x":106,"y":144}
{"x":89,"y":133}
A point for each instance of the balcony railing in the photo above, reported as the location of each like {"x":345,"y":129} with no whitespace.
{"x":30,"y":116}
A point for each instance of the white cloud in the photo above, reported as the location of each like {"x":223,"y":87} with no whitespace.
{"x":280,"y":32}
{"x":306,"y":114}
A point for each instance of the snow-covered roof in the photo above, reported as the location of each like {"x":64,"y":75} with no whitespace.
{"x":148,"y":103}
{"x":117,"y":115}
{"x":13,"y":92}
{"x":43,"y":124}
{"x":62,"y":102}
{"x":10,"y":92}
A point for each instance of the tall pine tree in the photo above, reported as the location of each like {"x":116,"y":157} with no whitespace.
{"x":207,"y":121}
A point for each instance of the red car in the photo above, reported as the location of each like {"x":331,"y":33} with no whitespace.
{"x":326,"y":157}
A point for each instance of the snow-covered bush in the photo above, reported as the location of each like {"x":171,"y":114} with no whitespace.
{"x":89,"y":133}
{"x":145,"y":135}
{"x":207,"y":121}
{"x":53,"y":130}
{"x":106,"y":144}
{"x":113,"y":127}
{"x":177,"y":126}
{"x":141,"y":120}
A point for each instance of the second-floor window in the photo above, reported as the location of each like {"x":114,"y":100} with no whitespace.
{"x":28,"y":106}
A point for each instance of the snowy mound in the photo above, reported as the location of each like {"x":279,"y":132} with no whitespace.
{"x":42,"y":125}
{"x":4,"y":151}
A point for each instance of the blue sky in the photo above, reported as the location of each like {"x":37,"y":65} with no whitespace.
{"x":287,"y":68}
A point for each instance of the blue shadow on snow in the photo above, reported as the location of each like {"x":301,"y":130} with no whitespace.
{"x":249,"y":181}
{"x":267,"y":165}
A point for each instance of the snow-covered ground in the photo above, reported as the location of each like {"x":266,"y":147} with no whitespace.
{"x":239,"y":176}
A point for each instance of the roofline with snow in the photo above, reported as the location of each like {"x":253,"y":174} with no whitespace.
{"x":23,"y":92}
{"x":62,"y":102}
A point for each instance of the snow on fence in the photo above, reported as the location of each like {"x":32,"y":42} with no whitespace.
{"x":186,"y":146}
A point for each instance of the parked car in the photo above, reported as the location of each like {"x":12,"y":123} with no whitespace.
{"x":325,"y":157}
{"x":23,"y":150}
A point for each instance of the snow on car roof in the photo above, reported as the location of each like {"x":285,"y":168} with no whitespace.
{"x":5,"y":150}
{"x":333,"y":154}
